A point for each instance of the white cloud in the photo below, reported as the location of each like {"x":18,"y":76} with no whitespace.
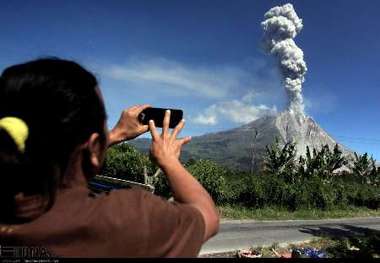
{"x":209,"y":118}
{"x":236,"y":111}
{"x":211,"y":82}
{"x":238,"y":94}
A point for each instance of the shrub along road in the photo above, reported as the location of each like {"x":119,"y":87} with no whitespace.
{"x":242,"y":234}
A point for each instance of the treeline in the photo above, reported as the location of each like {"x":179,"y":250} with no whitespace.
{"x":323,"y":179}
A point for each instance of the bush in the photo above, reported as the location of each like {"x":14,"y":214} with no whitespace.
{"x":162,"y":186}
{"x":261,"y":191}
{"x":268,"y":191}
{"x":251,"y":191}
{"x":322,"y":195}
{"x":125,"y":162}
{"x":364,"y":195}
{"x":342,"y":190}
{"x":213,"y":178}
{"x":303,"y":189}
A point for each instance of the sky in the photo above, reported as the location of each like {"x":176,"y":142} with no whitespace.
{"x":207,"y":58}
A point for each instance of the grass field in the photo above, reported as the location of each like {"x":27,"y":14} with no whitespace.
{"x":240,"y":212}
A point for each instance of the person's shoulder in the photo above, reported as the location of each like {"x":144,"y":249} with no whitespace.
{"x":117,"y":209}
{"x":136,"y":204}
{"x":121,"y":197}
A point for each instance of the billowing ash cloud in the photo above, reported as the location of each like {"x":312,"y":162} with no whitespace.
{"x":281,"y":26}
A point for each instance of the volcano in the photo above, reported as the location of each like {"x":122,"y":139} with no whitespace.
{"x":244,"y":148}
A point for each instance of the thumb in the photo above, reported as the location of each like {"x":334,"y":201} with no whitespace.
{"x":185,"y":140}
{"x":144,"y":128}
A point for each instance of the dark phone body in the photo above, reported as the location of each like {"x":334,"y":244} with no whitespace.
{"x":158,"y":114}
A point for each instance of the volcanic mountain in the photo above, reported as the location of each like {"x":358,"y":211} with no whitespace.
{"x":244,"y":147}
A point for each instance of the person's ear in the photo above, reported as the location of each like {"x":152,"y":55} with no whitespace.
{"x":95,"y":149}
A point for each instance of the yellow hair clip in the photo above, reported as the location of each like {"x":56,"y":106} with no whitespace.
{"x":17,"y":129}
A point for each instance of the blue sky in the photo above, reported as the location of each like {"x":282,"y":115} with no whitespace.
{"x":205,"y":58}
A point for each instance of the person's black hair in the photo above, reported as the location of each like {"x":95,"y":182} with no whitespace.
{"x":59,"y":102}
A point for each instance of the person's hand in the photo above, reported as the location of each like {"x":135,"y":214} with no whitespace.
{"x":128,"y":126}
{"x":166,"y":148}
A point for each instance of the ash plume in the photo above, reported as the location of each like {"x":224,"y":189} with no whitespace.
{"x":281,"y":25}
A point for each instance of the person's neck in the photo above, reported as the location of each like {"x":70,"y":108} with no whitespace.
{"x":75,"y":174}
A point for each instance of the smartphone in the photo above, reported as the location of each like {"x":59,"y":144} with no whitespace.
{"x":158,"y":114}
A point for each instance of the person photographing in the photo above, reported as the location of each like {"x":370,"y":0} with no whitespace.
{"x":53,"y":139}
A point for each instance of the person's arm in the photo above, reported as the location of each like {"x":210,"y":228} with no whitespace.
{"x":128,"y":126}
{"x":165,"y":150}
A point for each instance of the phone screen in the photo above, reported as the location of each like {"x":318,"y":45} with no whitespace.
{"x":158,"y":114}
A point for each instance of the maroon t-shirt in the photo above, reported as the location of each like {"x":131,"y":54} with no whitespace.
{"x":121,"y":223}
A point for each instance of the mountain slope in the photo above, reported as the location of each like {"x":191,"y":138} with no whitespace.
{"x":243,"y":148}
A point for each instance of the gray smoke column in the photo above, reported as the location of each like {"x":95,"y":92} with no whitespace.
{"x":281,"y":25}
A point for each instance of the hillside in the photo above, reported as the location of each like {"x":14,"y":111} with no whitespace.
{"x":243,"y":148}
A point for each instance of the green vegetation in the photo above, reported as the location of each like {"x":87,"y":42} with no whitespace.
{"x":213,"y":178}
{"x":125,"y":162}
{"x":277,"y":213}
{"x":314,"y":186}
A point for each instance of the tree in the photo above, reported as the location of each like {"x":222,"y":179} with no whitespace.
{"x":364,"y":168}
{"x":213,"y":178}
{"x":125,"y":162}
{"x":322,"y":163}
{"x":281,"y":161}
{"x":335,"y":160}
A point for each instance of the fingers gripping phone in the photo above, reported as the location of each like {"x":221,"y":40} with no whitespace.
{"x":158,"y":114}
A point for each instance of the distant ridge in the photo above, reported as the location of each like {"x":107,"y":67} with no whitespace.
{"x":243,"y":148}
